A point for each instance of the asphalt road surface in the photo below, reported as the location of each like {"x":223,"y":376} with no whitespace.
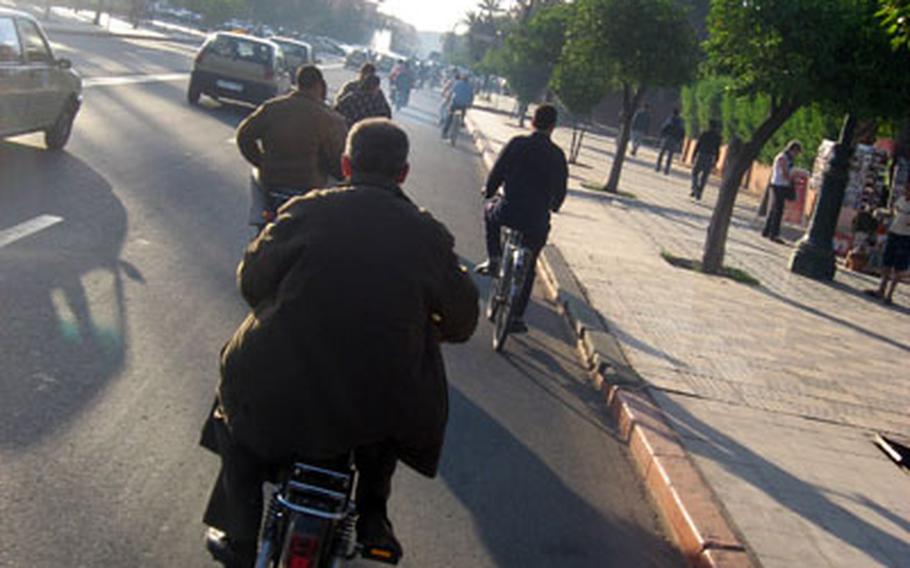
{"x":117,"y":292}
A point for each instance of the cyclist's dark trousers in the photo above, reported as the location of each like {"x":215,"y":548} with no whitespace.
{"x":453,"y":110}
{"x":534,"y":240}
{"x":235,"y":506}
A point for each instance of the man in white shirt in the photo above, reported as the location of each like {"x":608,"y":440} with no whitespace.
{"x":896,"y":256}
{"x":782,"y":188}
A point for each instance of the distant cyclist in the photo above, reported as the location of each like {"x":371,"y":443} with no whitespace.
{"x":462,"y":97}
{"x":534,"y":175}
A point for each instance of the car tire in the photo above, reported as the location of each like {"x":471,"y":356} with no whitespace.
{"x":56,"y":137}
{"x":193,"y":93}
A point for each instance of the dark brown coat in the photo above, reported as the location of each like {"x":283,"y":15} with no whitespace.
{"x":351,"y":290}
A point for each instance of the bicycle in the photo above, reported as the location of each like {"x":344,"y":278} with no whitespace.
{"x":310,"y":520}
{"x":507,"y":284}
{"x":458,"y":116}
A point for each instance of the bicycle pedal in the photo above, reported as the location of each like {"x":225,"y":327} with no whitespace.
{"x":379,"y":554}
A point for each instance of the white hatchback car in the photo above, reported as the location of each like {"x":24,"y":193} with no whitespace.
{"x":38,"y":92}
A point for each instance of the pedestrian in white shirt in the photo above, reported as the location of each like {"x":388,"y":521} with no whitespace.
{"x":782,"y":188}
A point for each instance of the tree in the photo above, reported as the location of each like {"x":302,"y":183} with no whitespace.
{"x":895,"y":16}
{"x":631,"y":45}
{"x":833,"y":52}
{"x":530,"y":53}
{"x":578,"y":91}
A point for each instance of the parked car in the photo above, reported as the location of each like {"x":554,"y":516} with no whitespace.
{"x":38,"y":92}
{"x":296,"y":53}
{"x":239,"y":68}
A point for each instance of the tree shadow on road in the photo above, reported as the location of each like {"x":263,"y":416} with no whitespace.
{"x":65,"y":323}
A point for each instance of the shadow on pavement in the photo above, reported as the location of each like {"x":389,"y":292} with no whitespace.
{"x":559,"y":527}
{"x":834,"y":319}
{"x":790,"y":492}
{"x":65,"y":332}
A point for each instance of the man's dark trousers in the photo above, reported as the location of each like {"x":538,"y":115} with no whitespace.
{"x":776,"y":215}
{"x":533,"y":239}
{"x":235,"y":505}
{"x":700,"y":173}
{"x":667,"y":149}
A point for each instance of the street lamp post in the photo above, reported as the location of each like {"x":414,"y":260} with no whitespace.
{"x":814,"y":255}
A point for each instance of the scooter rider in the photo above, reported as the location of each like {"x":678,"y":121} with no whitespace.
{"x":462,"y":97}
{"x":295,"y":141}
{"x":351,"y":291}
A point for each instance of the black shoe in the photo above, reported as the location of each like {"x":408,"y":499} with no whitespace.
{"x":487,"y":267}
{"x":375,"y":535}
{"x":226,"y":552}
{"x":518,"y":326}
{"x":777,"y":240}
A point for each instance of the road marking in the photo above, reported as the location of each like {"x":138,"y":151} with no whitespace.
{"x":132,"y":80}
{"x":30,"y":227}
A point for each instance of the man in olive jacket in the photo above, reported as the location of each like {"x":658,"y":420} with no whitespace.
{"x":352,"y":290}
{"x":295,"y":142}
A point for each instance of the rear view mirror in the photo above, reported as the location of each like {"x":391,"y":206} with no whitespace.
{"x":64,"y":63}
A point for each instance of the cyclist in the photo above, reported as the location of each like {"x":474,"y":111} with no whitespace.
{"x":351,"y":292}
{"x":462,"y":97}
{"x":295,"y":141}
{"x":534,"y":175}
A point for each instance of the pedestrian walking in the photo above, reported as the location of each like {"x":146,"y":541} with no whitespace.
{"x":781,"y":188}
{"x":896,"y":256}
{"x":641,"y":124}
{"x":672,"y":132}
{"x":706,"y":151}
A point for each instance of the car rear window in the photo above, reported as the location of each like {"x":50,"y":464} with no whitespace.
{"x":254,"y":52}
{"x":10,"y":50}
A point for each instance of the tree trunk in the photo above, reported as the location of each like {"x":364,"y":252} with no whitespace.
{"x":630,"y":102}
{"x":581,"y":139}
{"x":715,"y":244}
{"x":572,"y":144}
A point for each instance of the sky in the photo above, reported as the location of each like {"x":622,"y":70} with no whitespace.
{"x":429,"y":15}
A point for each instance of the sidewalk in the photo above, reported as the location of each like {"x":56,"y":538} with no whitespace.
{"x":65,"y":20}
{"x":774,"y":391}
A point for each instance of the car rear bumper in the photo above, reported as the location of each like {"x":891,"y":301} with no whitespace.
{"x":231,"y":88}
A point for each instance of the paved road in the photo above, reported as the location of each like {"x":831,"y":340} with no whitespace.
{"x":114,"y":315}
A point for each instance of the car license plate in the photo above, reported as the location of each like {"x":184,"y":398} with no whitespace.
{"x":229,"y":86}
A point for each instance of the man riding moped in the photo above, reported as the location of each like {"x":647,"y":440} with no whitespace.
{"x":294,"y":142}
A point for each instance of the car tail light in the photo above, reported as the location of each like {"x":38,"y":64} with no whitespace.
{"x":302,"y":551}
{"x":200,"y":56}
{"x":269,"y":74}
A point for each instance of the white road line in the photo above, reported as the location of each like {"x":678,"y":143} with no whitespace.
{"x":30,"y":227}
{"x":132,"y":79}
{"x":158,"y":78}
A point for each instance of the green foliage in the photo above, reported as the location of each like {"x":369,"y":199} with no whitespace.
{"x":633,"y":43}
{"x":832,"y":52}
{"x":530,"y":52}
{"x":740,"y":116}
{"x":689,"y":110}
{"x":576,"y":87}
{"x":895,"y":16}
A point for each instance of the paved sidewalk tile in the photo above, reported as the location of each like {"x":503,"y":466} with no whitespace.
{"x":776,"y":390}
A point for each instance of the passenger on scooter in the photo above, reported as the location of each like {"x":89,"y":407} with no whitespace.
{"x":351,"y":292}
{"x":295,"y":141}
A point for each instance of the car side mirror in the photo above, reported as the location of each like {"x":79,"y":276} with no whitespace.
{"x":317,"y":61}
{"x":64,"y":63}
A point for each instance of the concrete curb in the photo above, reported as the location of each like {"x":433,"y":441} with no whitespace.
{"x":687,"y":505}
